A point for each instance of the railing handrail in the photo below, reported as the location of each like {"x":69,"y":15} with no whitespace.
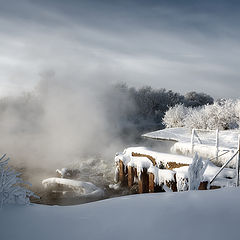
{"x":224,"y":165}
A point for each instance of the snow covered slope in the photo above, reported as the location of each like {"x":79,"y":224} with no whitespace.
{"x":194,"y":215}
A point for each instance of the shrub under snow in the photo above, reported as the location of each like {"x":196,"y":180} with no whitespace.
{"x":10,"y":190}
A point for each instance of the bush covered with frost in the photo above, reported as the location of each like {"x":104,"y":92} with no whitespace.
{"x":223,"y":114}
{"x":175,"y":116}
{"x":11,"y":189}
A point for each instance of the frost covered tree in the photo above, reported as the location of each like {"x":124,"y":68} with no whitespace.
{"x":175,"y":116}
{"x":227,"y":116}
{"x":195,"y":172}
{"x":11,"y":191}
{"x":223,"y":114}
{"x":197,"y":118}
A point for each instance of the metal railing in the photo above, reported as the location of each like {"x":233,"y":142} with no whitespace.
{"x":195,"y":135}
{"x":227,"y":162}
{"x":237,"y":153}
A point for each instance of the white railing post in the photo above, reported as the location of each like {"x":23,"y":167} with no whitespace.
{"x":217,"y":144}
{"x":192,"y":140}
{"x":237,"y":163}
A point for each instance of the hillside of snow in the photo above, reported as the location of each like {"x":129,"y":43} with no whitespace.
{"x":194,"y":215}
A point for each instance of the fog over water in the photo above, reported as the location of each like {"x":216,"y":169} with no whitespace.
{"x":70,"y":124}
{"x":58,"y":121}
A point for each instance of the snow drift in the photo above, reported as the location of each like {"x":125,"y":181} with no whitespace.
{"x":197,"y":214}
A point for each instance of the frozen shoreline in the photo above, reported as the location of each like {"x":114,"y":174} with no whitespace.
{"x":228,"y":140}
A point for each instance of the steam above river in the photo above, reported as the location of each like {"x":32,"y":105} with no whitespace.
{"x":60,"y":121}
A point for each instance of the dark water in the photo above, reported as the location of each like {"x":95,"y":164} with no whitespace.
{"x":98,"y":171}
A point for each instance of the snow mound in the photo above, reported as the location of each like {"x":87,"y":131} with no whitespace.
{"x":198,"y":215}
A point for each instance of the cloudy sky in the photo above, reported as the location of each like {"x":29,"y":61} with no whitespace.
{"x":178,"y":45}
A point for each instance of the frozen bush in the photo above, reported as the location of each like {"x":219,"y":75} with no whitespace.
{"x":197,"y":118}
{"x":175,"y":116}
{"x":223,"y":115}
{"x":11,"y":191}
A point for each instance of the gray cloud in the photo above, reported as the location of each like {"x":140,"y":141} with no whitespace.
{"x":180,"y":46}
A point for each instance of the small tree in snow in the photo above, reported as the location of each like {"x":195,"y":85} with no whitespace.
{"x":10,"y":190}
{"x":195,"y":172}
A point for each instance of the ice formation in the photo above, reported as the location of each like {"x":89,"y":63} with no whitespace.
{"x":195,"y":172}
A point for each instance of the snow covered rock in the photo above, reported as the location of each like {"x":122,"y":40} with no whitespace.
{"x":79,"y":188}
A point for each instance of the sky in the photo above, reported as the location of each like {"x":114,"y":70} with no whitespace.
{"x":179,"y":45}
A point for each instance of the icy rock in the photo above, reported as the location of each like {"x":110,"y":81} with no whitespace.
{"x":80,"y":188}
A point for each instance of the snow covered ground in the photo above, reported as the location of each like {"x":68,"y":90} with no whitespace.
{"x":228,"y":140}
{"x":194,"y":215}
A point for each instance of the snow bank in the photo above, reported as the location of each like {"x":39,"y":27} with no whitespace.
{"x":228,"y":140}
{"x":186,"y":215}
{"x":80,"y":188}
{"x":206,"y":152}
{"x":172,"y":134}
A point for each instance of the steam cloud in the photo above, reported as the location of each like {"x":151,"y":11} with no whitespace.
{"x":60,"y":122}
